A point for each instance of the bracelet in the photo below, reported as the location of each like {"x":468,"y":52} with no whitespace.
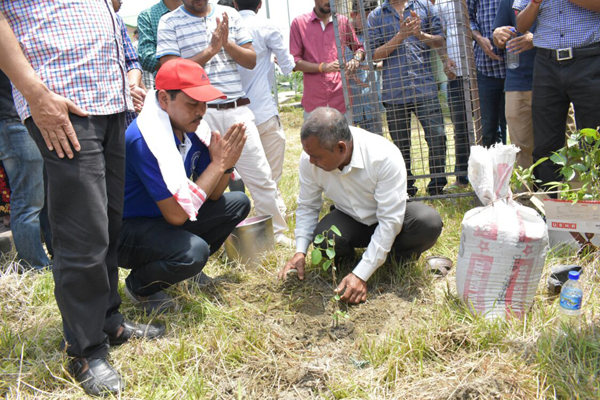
{"x":228,"y":170}
{"x":321,"y":68}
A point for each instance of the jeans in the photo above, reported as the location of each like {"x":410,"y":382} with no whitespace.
{"x":491,"y":100}
{"x":85,"y":204}
{"x":458,"y":113}
{"x":160,"y":254}
{"x":429,"y":114}
{"x":24,"y":166}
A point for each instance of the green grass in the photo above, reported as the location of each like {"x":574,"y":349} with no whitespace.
{"x":250,"y":336}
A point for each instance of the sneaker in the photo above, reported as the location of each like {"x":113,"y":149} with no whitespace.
{"x":159,"y":302}
{"x":284,"y":241}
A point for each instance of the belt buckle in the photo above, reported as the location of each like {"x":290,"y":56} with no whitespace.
{"x":564,"y":54}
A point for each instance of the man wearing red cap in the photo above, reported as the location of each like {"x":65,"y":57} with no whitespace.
{"x":215,"y":37}
{"x":171,"y":223}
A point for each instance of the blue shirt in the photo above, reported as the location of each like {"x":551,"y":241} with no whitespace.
{"x":144,"y":185}
{"x":407,"y":73}
{"x":562,"y":24}
{"x":519,"y":79}
{"x":481,"y":16}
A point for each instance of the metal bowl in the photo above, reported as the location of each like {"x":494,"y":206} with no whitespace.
{"x":250,"y":239}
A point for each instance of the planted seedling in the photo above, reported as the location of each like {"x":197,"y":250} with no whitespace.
{"x":316,"y":257}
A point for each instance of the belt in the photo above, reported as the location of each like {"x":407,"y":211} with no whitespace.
{"x":232,"y":104}
{"x":570,"y":53}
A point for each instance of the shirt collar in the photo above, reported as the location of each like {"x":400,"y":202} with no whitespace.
{"x":386,"y":4}
{"x":245,"y":13}
{"x":314,"y":16}
{"x":357,"y":158}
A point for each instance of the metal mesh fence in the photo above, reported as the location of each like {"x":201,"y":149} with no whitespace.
{"x":415,"y":83}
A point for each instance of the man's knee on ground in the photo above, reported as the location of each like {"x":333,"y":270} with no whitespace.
{"x":194,"y":258}
{"x":430,"y":223}
{"x":241,"y":203}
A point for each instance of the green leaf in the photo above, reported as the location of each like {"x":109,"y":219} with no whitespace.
{"x":326,"y":265}
{"x":336,"y":298}
{"x":335,"y":230}
{"x":579,"y":167}
{"x":558,"y":159}
{"x":316,"y":256}
{"x":319,"y":239}
{"x":572,"y":142}
{"x":568,"y":173}
{"x":331,"y":242}
{"x":330,"y":253}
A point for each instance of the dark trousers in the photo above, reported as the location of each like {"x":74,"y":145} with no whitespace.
{"x":493,"y":118}
{"x":160,"y":254}
{"x":555,"y":85}
{"x":420,"y":231}
{"x":458,"y":113}
{"x":429,"y":114}
{"x":85,"y":204}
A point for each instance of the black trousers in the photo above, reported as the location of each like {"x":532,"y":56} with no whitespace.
{"x":555,"y":85}
{"x":420,"y":231}
{"x":85,"y":204}
{"x":160,"y":254}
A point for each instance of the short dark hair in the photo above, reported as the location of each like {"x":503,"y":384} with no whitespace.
{"x":369,"y":5}
{"x":228,"y":3}
{"x":172,"y":93}
{"x":247,"y":4}
{"x":328,"y":125}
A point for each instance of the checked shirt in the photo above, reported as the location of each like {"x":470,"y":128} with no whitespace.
{"x":481,"y":15}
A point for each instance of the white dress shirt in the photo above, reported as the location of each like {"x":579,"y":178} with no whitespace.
{"x":447,"y":12}
{"x":267,"y":40}
{"x":371,"y":189}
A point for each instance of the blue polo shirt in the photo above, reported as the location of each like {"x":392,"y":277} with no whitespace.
{"x":407,"y":73}
{"x":144,"y":185}
{"x":519,"y":79}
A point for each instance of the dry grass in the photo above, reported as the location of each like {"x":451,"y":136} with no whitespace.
{"x":249,"y":336}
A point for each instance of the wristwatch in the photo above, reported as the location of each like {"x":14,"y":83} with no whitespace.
{"x":229,"y":170}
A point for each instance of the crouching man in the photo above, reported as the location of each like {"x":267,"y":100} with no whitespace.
{"x":176,"y":214}
{"x":365,"y":177}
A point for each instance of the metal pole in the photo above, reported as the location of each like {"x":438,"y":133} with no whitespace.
{"x":275,"y":93}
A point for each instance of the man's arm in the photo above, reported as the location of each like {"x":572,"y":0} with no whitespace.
{"x":310,"y":202}
{"x":408,"y":27}
{"x":390,"y":216}
{"x":243,"y":54}
{"x":527,"y":17}
{"x":275,"y":43}
{"x":49,"y":111}
{"x":147,"y":43}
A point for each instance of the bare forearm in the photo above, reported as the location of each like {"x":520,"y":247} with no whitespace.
{"x":210,"y":178}
{"x":134,"y":77}
{"x":306,"y":66}
{"x":204,"y":56}
{"x":16,"y":67}
{"x":244,"y":56}
{"x":220,"y":188}
{"x":433,"y":41}
{"x":527,"y":17}
{"x":384,"y":51}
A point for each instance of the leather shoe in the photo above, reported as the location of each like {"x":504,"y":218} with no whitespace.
{"x":98,"y":377}
{"x":131,"y":330}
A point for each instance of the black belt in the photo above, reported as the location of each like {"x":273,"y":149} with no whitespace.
{"x":232,"y":104}
{"x":570,"y":53}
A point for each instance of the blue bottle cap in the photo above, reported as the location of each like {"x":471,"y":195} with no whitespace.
{"x":574,"y":275}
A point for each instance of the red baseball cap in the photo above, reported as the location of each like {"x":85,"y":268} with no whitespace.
{"x":189,"y":77}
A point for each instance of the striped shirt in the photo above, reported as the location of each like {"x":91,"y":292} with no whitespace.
{"x":76,"y":48}
{"x":562,"y":24}
{"x":482,"y":14}
{"x":185,"y":35}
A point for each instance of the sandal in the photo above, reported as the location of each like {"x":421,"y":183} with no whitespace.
{"x":439,"y":265}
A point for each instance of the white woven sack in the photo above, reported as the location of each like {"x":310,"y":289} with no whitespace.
{"x":503,"y":244}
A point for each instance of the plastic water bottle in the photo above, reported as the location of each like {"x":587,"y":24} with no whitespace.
{"x":512,"y":59}
{"x":571,"y":296}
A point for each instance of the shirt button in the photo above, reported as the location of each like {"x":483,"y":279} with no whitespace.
{"x":562,"y":35}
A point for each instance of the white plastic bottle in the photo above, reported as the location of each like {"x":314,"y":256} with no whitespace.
{"x":512,"y":59}
{"x":571,"y":296}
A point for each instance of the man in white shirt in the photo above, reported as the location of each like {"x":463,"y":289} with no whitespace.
{"x":364,"y":175}
{"x":267,"y":40}
{"x":215,"y":37}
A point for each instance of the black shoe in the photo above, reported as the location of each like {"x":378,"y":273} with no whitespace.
{"x":99,"y":379}
{"x":130,"y":330}
{"x":412,"y":191}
